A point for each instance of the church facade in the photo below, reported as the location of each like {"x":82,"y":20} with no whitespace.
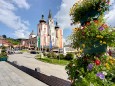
{"x":49,"y":35}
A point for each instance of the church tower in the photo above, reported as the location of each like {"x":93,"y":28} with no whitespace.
{"x":42,"y":34}
{"x":59,"y":36}
{"x":51,"y":26}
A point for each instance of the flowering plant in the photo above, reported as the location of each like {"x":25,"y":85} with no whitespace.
{"x":95,"y":34}
{"x":85,"y":9}
{"x":92,"y":71}
{"x":94,"y":67}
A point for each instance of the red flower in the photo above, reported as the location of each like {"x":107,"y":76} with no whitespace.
{"x":97,"y":62}
{"x":96,"y":21}
{"x":87,"y":23}
{"x":104,"y":25}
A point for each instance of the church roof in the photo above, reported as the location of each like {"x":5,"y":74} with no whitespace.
{"x":32,"y":33}
{"x":50,"y":15}
{"x":42,"y":20}
{"x":56,"y":26}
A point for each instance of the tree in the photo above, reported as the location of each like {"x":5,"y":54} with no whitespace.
{"x":4,"y":36}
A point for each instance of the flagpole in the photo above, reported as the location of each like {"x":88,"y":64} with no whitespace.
{"x":50,"y":47}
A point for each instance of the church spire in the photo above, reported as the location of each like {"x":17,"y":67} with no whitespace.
{"x":42,"y":19}
{"x":32,"y":33}
{"x":56,"y":25}
{"x":50,"y":15}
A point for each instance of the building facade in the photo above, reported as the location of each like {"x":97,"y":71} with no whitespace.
{"x":30,"y":43}
{"x":48,"y":34}
{"x":4,"y":42}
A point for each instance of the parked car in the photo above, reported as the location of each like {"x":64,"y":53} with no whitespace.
{"x":10,"y":52}
{"x":33,"y":52}
{"x":18,"y":52}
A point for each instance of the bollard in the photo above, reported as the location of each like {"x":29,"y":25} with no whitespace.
{"x":15,"y":62}
{"x":37,"y":69}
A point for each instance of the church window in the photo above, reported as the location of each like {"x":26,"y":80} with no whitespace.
{"x":44,"y":30}
{"x":53,"y":40}
{"x":39,"y":30}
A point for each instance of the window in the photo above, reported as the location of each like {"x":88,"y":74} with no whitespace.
{"x":44,"y":30}
{"x":53,"y":40}
{"x":39,"y":30}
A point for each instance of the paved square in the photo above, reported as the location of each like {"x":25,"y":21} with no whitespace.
{"x":11,"y":76}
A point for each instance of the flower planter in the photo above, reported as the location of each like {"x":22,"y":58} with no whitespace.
{"x":3,"y":58}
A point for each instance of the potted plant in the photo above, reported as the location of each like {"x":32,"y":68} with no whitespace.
{"x":3,"y":54}
{"x":84,"y":10}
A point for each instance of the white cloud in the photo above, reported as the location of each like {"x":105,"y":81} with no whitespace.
{"x":22,"y":3}
{"x":9,"y":18}
{"x":62,"y":16}
{"x":111,"y":14}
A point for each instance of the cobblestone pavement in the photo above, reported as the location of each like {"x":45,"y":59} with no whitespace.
{"x":11,"y":76}
{"x":29,"y":61}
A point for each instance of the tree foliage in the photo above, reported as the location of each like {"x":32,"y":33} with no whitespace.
{"x":13,"y":41}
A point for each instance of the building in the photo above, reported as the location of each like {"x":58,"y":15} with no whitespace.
{"x":4,"y":42}
{"x":30,"y":43}
{"x":1,"y":39}
{"x":49,"y":36}
{"x":68,"y":49}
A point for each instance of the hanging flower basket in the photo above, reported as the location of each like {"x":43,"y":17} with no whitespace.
{"x":93,"y":67}
{"x":88,"y":9}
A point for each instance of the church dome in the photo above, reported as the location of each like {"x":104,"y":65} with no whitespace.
{"x":32,"y":35}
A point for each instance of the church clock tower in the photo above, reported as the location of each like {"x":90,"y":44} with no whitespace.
{"x":52,"y":32}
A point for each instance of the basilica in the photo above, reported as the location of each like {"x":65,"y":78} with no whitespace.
{"x":49,"y":36}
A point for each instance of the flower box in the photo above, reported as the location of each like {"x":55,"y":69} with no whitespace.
{"x":3,"y":58}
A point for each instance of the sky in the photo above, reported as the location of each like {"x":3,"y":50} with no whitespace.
{"x":19,"y":17}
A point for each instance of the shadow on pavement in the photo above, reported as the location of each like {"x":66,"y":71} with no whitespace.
{"x":49,"y":80}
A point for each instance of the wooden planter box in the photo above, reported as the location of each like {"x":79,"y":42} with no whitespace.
{"x":3,"y":58}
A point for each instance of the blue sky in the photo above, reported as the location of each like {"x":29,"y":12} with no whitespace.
{"x":19,"y":17}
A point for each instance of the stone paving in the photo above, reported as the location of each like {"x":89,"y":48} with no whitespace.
{"x":29,"y":61}
{"x":11,"y":76}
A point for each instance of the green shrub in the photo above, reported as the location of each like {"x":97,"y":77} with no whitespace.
{"x":44,"y":53}
{"x":60,"y":56}
{"x":49,"y":55}
{"x":3,"y":52}
{"x":69,"y":56}
{"x":38,"y":56}
{"x":53,"y":55}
